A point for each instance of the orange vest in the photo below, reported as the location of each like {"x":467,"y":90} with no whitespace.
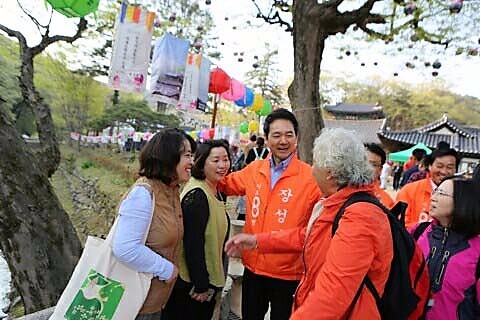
{"x":417,"y":195}
{"x":383,"y":196}
{"x":288,"y":205}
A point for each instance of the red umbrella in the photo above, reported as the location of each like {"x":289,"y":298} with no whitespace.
{"x":219,"y":81}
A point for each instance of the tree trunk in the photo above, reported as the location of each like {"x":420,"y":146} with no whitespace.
{"x":49,"y":153}
{"x":38,"y":239}
{"x":304,"y":94}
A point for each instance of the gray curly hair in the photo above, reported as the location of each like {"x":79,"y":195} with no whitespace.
{"x":341,"y":151}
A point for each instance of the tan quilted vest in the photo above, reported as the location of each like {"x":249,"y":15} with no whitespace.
{"x":166,"y":232}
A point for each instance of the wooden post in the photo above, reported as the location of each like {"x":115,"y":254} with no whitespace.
{"x":214,"y":116}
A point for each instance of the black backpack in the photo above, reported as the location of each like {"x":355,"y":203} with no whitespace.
{"x":408,"y":285}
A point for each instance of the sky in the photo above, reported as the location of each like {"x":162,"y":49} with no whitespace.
{"x":459,"y":73}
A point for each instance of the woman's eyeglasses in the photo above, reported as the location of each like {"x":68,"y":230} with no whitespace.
{"x":442,"y":193}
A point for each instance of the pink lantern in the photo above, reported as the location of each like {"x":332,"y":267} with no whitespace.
{"x":205,"y":134}
{"x":236,"y":91}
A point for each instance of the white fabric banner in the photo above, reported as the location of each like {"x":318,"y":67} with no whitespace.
{"x":131,"y":49}
{"x":195,"y":85}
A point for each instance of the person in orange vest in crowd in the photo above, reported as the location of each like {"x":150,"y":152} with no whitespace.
{"x":280,"y":194}
{"x":335,"y":266}
{"x":410,"y":163}
{"x":377,"y":158}
{"x":443,"y":163}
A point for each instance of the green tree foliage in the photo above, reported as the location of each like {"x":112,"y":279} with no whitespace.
{"x":135,"y":112}
{"x":9,"y":85}
{"x":263,"y":77}
{"x":75,"y":99}
{"x":410,"y":106}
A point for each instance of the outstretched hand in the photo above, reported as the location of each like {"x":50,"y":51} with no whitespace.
{"x":239,"y":242}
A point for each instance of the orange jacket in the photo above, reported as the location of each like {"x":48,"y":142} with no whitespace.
{"x":335,"y":267}
{"x":383,"y":196}
{"x":417,"y":195}
{"x":288,"y":205}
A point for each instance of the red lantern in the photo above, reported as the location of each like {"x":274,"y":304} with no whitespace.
{"x":219,"y":81}
{"x":211,"y":133}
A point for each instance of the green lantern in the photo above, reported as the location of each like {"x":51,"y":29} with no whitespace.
{"x":74,"y":8}
{"x":243,"y":127}
{"x":266,"y":109}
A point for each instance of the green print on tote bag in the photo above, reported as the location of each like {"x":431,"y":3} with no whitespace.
{"x":98,"y":298}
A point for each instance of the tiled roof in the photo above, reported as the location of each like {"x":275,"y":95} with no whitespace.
{"x":466,"y":140}
{"x":366,"y":129}
{"x":443,"y":122}
{"x":354,"y":108}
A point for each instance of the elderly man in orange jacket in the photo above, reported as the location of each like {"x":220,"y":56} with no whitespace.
{"x":280,"y":194}
{"x":335,"y":267}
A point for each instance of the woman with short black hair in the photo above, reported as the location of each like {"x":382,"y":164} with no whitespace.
{"x":206,"y":225}
{"x":451,"y":246}
{"x":165,"y":163}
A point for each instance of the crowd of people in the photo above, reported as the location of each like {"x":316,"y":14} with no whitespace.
{"x":301,"y":260}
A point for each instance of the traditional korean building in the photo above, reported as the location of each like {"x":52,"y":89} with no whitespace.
{"x":464,"y":139}
{"x":366,"y":120}
{"x":343,"y":111}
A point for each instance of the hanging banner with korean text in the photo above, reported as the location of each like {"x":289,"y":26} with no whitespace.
{"x":194,"y":95}
{"x":131,"y":49}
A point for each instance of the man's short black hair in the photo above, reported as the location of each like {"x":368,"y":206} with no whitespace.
{"x":418,"y":153}
{"x":280,"y":113}
{"x":375,"y":148}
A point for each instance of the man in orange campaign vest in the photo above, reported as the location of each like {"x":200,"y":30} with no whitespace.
{"x":443,"y":163}
{"x":280,"y":193}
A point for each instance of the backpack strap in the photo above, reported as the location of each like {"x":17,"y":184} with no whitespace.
{"x":420,"y":229}
{"x":256,"y":153}
{"x":262,"y":153}
{"x":354,"y":198}
{"x":477,"y":270}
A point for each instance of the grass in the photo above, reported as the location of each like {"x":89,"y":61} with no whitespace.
{"x":113,"y":172}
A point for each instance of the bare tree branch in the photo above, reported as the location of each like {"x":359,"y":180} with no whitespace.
{"x":275,"y":18}
{"x":47,"y":40}
{"x":16,"y":34}
{"x":34,"y":20}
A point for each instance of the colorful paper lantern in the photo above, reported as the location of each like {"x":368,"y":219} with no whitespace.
{"x":243,"y":127}
{"x":253,"y":126}
{"x":74,"y":8}
{"x":266,"y":109}
{"x":409,"y":8}
{"x":247,"y":99}
{"x":455,"y":6}
{"x":257,"y":103}
{"x":205,"y":134}
{"x":211,"y":133}
{"x":235,"y":92}
{"x":219,"y":81}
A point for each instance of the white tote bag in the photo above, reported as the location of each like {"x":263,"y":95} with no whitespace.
{"x":101,"y":287}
